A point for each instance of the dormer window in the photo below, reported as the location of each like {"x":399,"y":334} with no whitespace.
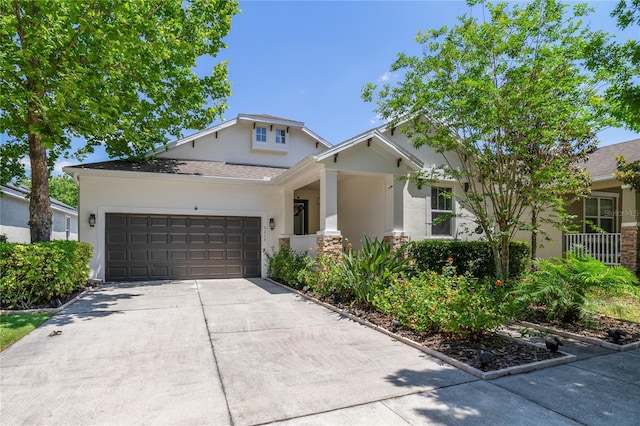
{"x":261,"y":134}
{"x":280,"y":136}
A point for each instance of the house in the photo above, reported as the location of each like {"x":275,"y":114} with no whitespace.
{"x":212,"y":204}
{"x":611,"y":207}
{"x":14,"y":216}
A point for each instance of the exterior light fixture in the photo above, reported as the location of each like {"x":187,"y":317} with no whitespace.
{"x":92,"y":220}
{"x":272,"y":224}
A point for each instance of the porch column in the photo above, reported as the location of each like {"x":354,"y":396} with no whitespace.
{"x":394,"y":212}
{"x":630,"y":229}
{"x":329,"y":238}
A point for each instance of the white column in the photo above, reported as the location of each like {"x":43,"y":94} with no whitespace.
{"x":329,"y":202}
{"x":394,"y":208}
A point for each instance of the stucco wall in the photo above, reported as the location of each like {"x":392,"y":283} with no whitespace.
{"x":361,"y":207}
{"x":148,"y":194}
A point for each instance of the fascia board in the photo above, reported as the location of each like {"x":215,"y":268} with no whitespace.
{"x":165,"y":176}
{"x":601,"y":178}
{"x":317,"y":137}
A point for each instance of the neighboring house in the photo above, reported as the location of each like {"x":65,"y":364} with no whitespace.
{"x":612,"y":207}
{"x":14,"y":216}
{"x":213,"y":204}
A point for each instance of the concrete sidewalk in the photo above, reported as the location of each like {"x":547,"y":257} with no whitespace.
{"x":248,"y":352}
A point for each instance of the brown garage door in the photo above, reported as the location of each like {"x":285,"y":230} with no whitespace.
{"x":150,"y":247}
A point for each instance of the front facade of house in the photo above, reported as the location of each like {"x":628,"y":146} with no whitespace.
{"x":213,"y":204}
{"x":14,"y":216}
{"x":609,"y":219}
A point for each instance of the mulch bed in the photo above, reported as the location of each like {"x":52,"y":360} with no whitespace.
{"x":505,"y":351}
{"x":599,"y":326}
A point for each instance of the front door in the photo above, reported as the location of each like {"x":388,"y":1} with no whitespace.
{"x":300,"y":217}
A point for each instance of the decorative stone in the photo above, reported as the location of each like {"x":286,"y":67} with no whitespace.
{"x":284,"y":243}
{"x":329,"y":244}
{"x":629,"y":247}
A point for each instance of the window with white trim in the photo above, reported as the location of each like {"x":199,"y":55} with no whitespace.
{"x":280,"y":136}
{"x":261,"y":134}
{"x":599,"y":212}
{"x":441,"y":220}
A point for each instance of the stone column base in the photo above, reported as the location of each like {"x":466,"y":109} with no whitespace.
{"x":396,"y":240}
{"x":629,"y":247}
{"x":329,"y":243}
{"x":284,"y":243}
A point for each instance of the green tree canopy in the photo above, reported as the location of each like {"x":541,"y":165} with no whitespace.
{"x":510,"y":96}
{"x":624,"y":92}
{"x":117,"y":73}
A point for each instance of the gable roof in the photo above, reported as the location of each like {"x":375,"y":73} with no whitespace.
{"x":602,"y":163}
{"x":171,"y":166}
{"x":367,"y":137}
{"x":257,"y":118}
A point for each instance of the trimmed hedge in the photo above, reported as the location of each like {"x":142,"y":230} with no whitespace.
{"x":468,"y":256}
{"x":34,"y":274}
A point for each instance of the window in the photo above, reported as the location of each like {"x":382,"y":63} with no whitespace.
{"x":599,"y":211}
{"x":67,"y":226}
{"x":441,"y":211}
{"x":261,"y":134}
{"x":280,"y":136}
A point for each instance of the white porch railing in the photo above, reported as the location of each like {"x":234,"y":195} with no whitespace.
{"x":604,"y":247}
{"x":301,"y":243}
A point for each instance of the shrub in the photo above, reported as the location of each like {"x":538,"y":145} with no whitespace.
{"x":368,"y":270}
{"x":474,"y":257}
{"x":561,"y":285}
{"x":285,"y":264}
{"x":34,"y":274}
{"x":324,"y":275}
{"x":457,"y":304}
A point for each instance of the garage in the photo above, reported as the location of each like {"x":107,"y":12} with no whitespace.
{"x":153,"y":247}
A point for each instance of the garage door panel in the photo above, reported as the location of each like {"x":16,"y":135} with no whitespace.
{"x":138,"y":221}
{"x":138,"y":238}
{"x":158,"y":238}
{"x":143,"y":247}
{"x":178,"y":238}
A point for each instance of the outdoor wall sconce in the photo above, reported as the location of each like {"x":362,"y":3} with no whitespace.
{"x":92,"y":220}
{"x":272,"y":224}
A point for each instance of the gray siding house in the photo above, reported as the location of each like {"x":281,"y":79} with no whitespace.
{"x":14,"y":216}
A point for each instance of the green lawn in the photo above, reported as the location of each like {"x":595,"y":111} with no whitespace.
{"x":623,"y":303}
{"x":14,"y":327}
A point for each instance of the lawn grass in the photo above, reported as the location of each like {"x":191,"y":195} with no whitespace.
{"x":624,"y":303}
{"x":14,"y":327}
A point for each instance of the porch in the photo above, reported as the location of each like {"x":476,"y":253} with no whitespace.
{"x":604,"y":247}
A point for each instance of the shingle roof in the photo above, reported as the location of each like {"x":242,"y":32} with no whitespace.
{"x":189,"y":167}
{"x":24,"y":192}
{"x":603,"y":161}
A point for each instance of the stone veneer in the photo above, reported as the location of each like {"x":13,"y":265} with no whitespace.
{"x":396,"y":241}
{"x":330,"y":244}
{"x":284,"y":243}
{"x":629,"y":247}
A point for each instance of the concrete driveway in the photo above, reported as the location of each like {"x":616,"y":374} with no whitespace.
{"x":247,"y":352}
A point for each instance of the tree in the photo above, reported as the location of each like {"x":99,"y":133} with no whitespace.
{"x":64,"y":189}
{"x":625,"y":90}
{"x":510,"y":98}
{"x":628,"y":173}
{"x":112,"y":72}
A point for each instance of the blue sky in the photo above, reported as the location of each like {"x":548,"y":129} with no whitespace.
{"x":308,"y":60}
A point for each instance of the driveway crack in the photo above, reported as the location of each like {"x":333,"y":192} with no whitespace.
{"x":213,"y":352}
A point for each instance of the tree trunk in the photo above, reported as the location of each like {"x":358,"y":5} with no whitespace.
{"x":534,"y":233}
{"x":40,"y":203}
